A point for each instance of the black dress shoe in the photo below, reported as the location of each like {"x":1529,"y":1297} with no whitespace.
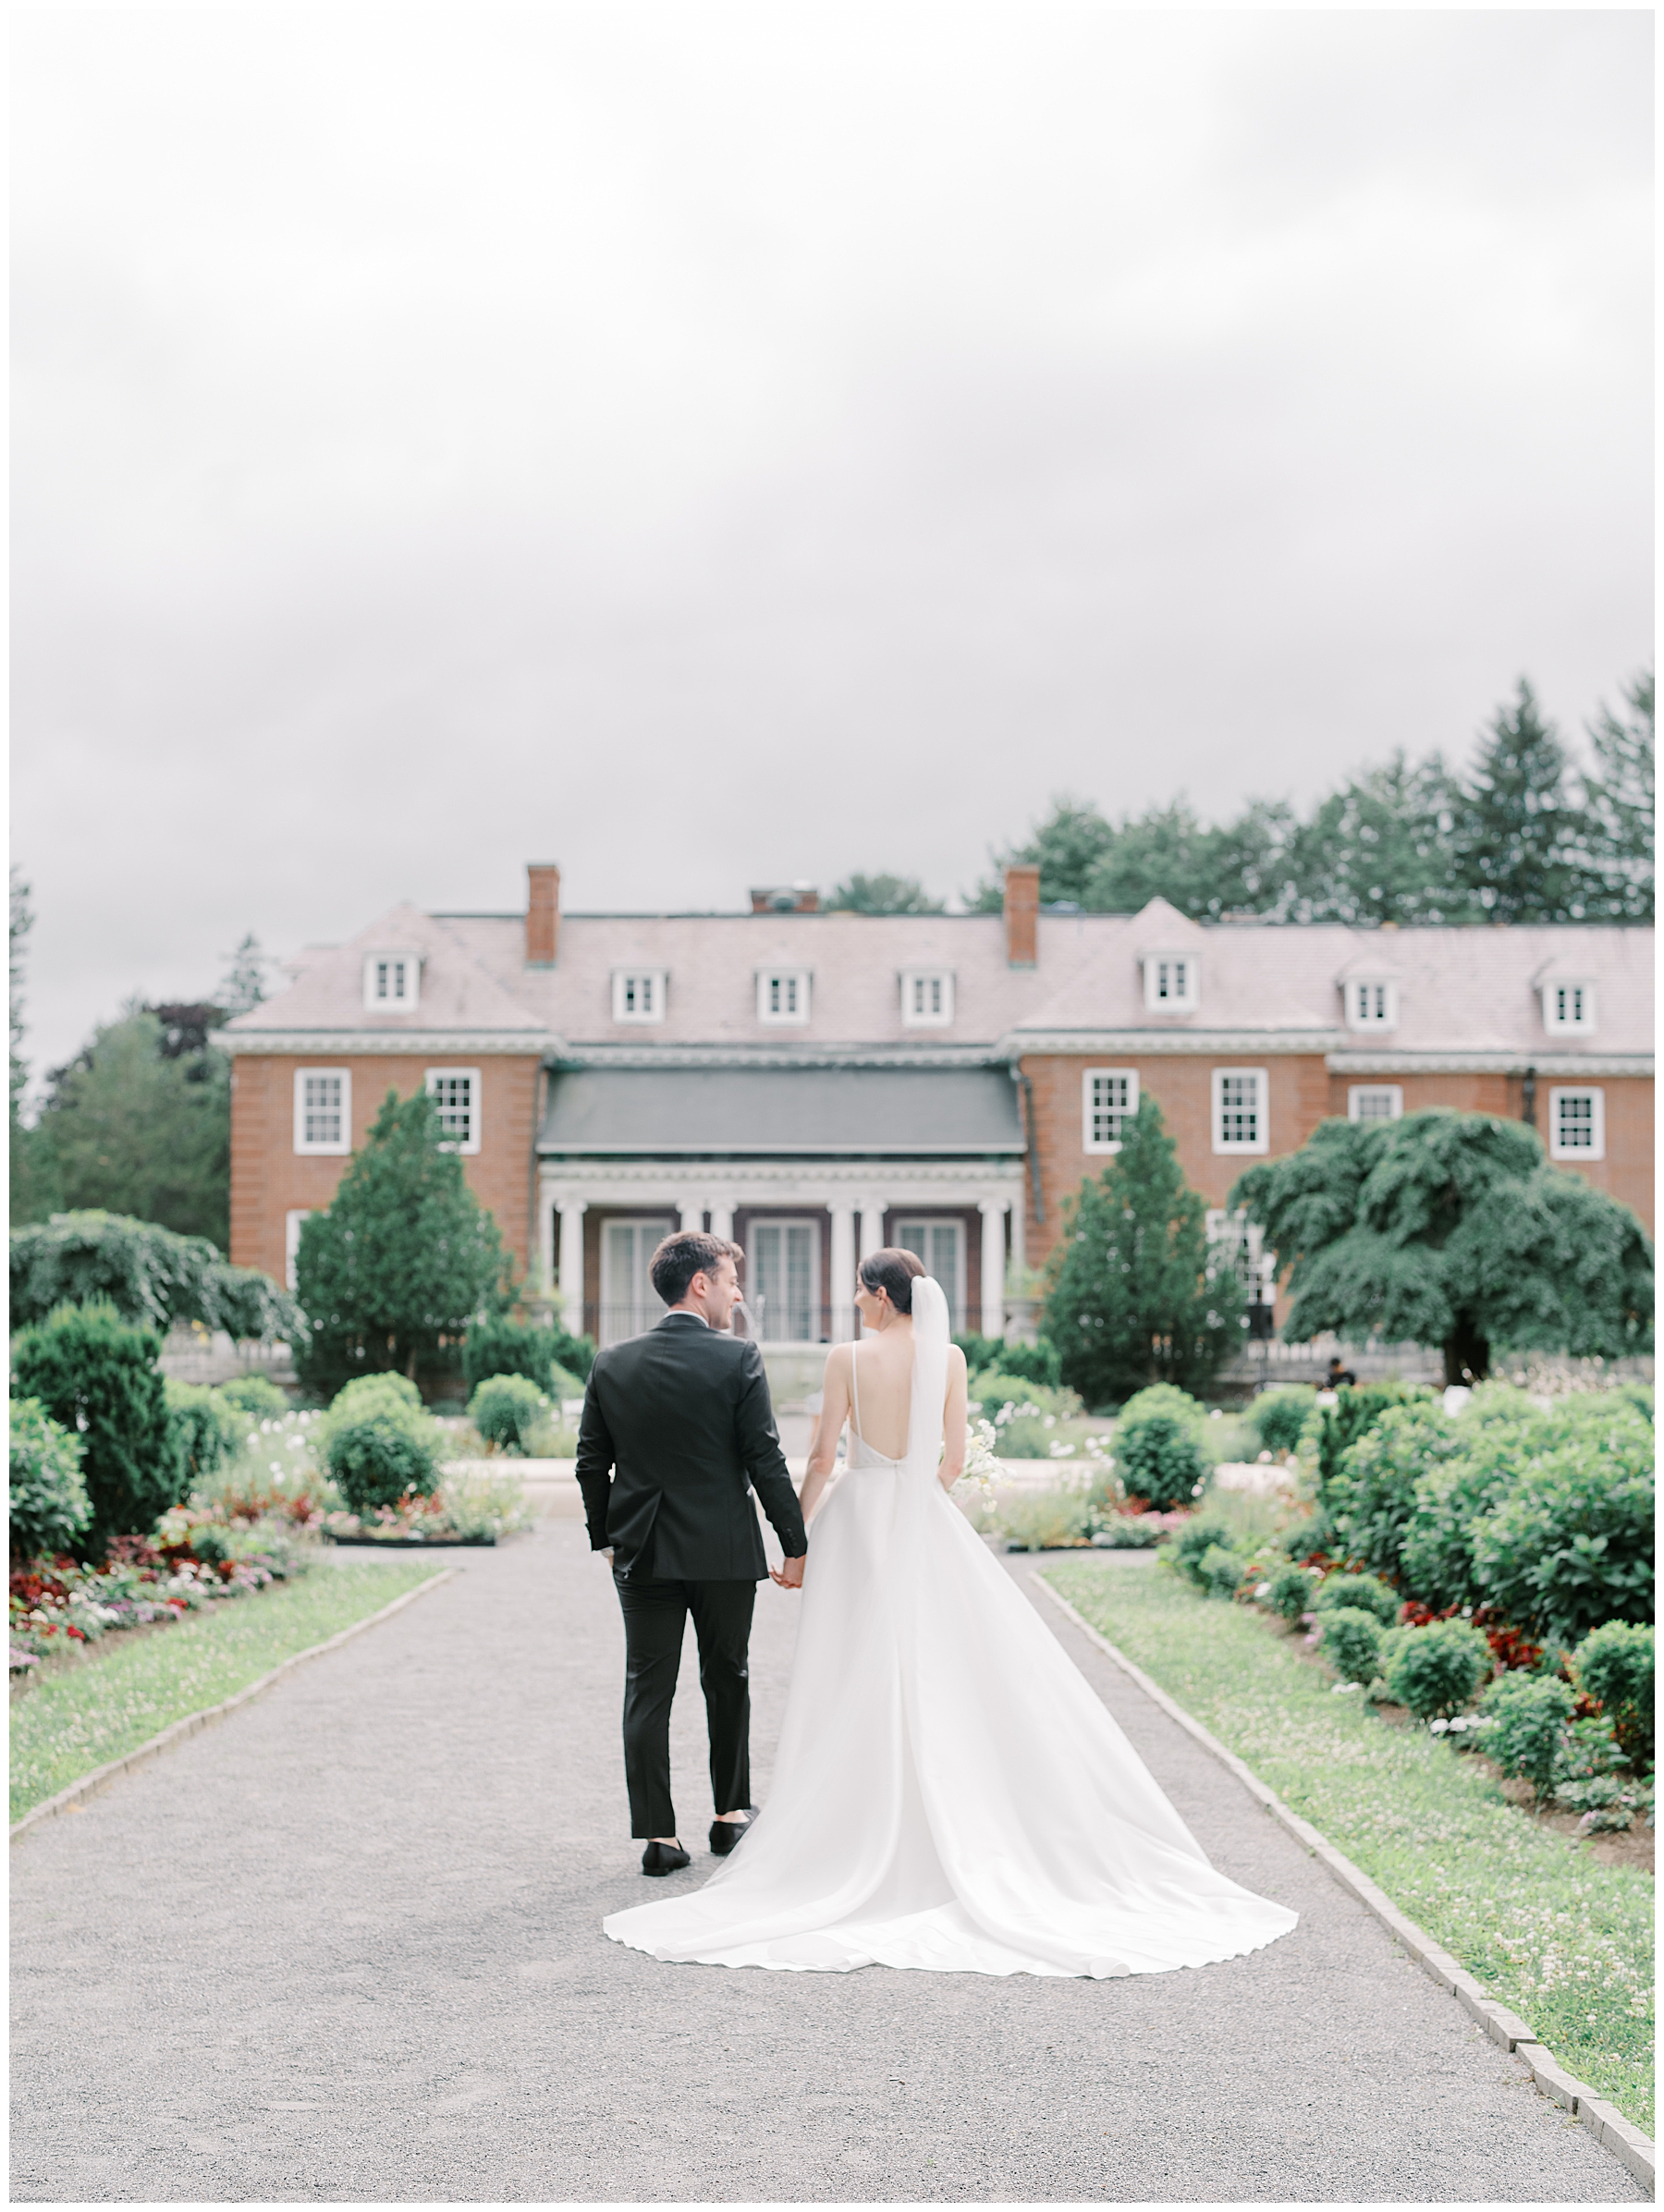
{"x":726,"y":1835}
{"x":665,"y":1858}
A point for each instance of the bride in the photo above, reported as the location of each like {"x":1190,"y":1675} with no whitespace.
{"x":948,"y":1792}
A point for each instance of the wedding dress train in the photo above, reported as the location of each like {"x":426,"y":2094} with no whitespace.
{"x":948,"y":1793}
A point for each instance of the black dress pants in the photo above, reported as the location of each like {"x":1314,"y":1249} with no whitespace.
{"x":655,"y":1616}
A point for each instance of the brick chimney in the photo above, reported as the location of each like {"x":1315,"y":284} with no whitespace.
{"x":543,"y":913}
{"x":1021,"y":916}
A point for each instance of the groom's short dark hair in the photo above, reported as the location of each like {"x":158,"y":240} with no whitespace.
{"x":680,"y":1258}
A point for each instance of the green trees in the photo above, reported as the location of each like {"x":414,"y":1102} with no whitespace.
{"x":403,"y":1260}
{"x":1136,"y":1293}
{"x":1452,"y":1230}
{"x":883,"y":895}
{"x":151,"y":1276}
{"x":1520,"y":833}
{"x":1620,"y":802}
{"x":97,"y":1377}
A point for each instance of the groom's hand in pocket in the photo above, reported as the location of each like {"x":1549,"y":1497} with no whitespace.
{"x":789,"y":1573}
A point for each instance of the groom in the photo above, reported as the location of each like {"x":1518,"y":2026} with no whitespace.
{"x":680,"y":1421}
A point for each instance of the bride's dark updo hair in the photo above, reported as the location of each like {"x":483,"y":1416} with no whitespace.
{"x":894,"y":1271}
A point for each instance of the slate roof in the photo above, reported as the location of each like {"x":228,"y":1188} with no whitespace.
{"x":761,"y":1112}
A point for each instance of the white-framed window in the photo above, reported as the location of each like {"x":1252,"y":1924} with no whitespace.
{"x":1577,"y":1125}
{"x":941,"y":1246}
{"x":1172,"y":982}
{"x":1245,"y":1240}
{"x":1567,"y":1009}
{"x":782,"y":995}
{"x":456,"y":1093}
{"x":638,"y":994}
{"x":1375,"y":1102}
{"x":1109,"y":1098}
{"x":392,"y":982}
{"x":926,"y":998}
{"x":628,"y":1301}
{"x":324,"y":1109}
{"x":782,"y":1281}
{"x":1240,"y":1097}
{"x":291,"y":1243}
{"x":1371,"y":1003}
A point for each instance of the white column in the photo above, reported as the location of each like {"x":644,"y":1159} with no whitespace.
{"x":722,"y":1219}
{"x":545,"y":1244}
{"x":872,"y":1226}
{"x":572,"y":1211}
{"x":843,"y":1273}
{"x":692,"y":1212}
{"x":993,"y":1211}
{"x":1019,"y":1230}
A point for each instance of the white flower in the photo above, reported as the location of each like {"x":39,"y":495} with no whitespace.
{"x":1344,"y":1689}
{"x":1263,"y":1590}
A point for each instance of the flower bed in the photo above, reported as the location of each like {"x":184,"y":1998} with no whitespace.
{"x":473,"y":1506}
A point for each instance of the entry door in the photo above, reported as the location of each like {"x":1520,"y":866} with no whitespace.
{"x":941,"y":1246}
{"x":783,"y":1288}
{"x":628,"y":1301}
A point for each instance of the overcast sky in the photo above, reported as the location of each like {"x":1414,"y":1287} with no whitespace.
{"x":711,"y":445}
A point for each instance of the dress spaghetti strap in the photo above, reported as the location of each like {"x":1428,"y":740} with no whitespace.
{"x":854,"y":1396}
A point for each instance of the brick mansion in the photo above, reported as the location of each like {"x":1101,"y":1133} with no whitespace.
{"x":816,"y":1085}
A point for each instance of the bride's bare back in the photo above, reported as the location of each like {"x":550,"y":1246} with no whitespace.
{"x":882,"y":1386}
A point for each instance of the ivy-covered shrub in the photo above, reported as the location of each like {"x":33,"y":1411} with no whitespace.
{"x":1437,"y":1669}
{"x":1351,"y":1644}
{"x":509,"y":1411}
{"x":1363,"y":1592}
{"x":1370,"y":1498}
{"x":207,"y":1430}
{"x":1219,"y":1571}
{"x":255,"y":1395}
{"x":557,"y":1362}
{"x":1290,"y":1591}
{"x":1279,"y":1417}
{"x":1529,"y":1714}
{"x":1158,"y":1457}
{"x":46,"y":1500}
{"x":152,"y":1275}
{"x":96,"y":1376}
{"x":378,"y":1443}
{"x":1571,"y":1544}
{"x":1614,"y":1665}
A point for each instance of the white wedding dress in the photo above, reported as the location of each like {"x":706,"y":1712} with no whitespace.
{"x":948,"y":1793}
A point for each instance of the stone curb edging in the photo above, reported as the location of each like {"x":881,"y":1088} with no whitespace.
{"x":1603,"y":2119}
{"x":180,"y":1730}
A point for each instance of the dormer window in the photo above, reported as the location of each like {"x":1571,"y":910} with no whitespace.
{"x":1171,"y":982}
{"x":782,"y":995}
{"x":926,"y":998}
{"x":1568,"y":1007}
{"x":638,"y":994}
{"x":392,"y":982}
{"x":1372,"y":1003}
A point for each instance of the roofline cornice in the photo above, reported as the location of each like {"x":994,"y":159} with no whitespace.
{"x":571,"y":1059}
{"x":1010,"y":1151}
{"x":1020,"y":1044}
{"x":530,"y":1044}
{"x":1489,"y":1063}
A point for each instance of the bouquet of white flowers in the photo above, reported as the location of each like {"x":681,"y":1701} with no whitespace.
{"x":981,"y":1466}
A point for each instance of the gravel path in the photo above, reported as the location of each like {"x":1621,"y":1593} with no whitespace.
{"x":347,"y":1944}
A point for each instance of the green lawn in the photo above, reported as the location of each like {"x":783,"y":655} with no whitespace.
{"x":132,"y":1686}
{"x":1564,"y":1941}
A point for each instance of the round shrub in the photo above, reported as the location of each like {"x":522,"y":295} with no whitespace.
{"x":379,"y":1453}
{"x":1363,"y":1592}
{"x":46,"y":1501}
{"x":496,"y":1345}
{"x":206,"y":1430}
{"x":1158,"y":1457}
{"x":1219,"y":1571}
{"x":1164,"y":1398}
{"x":508,"y":1409}
{"x":1529,"y":1715}
{"x":254,"y":1394}
{"x":1279,"y":1417}
{"x":96,"y":1376}
{"x":1371,"y":1496}
{"x":1351,"y":1644}
{"x":1290,"y":1591}
{"x":1614,"y":1665}
{"x":1198,"y":1536}
{"x":365,"y":1390}
{"x":1569,"y":1547}
{"x":1437,"y":1669}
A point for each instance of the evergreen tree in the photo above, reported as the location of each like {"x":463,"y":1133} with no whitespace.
{"x":34,"y":1187}
{"x":1380,"y":850}
{"x":1066,"y":847}
{"x":1619,"y":798}
{"x":404,"y":1259}
{"x":1137,"y":1294}
{"x":243,"y":984}
{"x":1519,"y":837}
{"x":1452,"y":1230}
{"x":96,"y":1376}
{"x":883,"y":895}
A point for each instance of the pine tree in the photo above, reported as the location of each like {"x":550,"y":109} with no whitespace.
{"x":882,"y":895}
{"x":1066,"y":847}
{"x":1519,"y":837}
{"x":1619,"y":797}
{"x":1137,"y":1294}
{"x":243,"y":984}
{"x":1379,"y":850}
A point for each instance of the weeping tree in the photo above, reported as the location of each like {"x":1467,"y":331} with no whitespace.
{"x":1452,"y":1230}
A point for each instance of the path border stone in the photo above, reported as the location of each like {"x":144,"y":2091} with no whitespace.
{"x":177,"y":1730}
{"x":1634,"y":2149}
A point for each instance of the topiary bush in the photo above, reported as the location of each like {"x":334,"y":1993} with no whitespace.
{"x":255,"y":1395}
{"x":1351,"y":1644}
{"x":1614,"y":1665}
{"x":206,"y":1430}
{"x":1165,"y":1398}
{"x":1529,"y":1714}
{"x":378,"y":1443}
{"x":1158,"y":1457}
{"x":1570,"y":1545}
{"x":96,"y":1376}
{"x":46,"y":1501}
{"x":1278,"y":1418}
{"x":1363,"y":1592}
{"x":1436,"y":1670}
{"x":508,"y":1409}
{"x":1290,"y":1591}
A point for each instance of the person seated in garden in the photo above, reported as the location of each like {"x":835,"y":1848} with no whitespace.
{"x":1338,"y":1374}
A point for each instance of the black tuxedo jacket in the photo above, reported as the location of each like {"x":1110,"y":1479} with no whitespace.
{"x":681,"y":1421}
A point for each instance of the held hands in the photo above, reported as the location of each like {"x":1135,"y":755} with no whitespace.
{"x":789,"y":1573}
